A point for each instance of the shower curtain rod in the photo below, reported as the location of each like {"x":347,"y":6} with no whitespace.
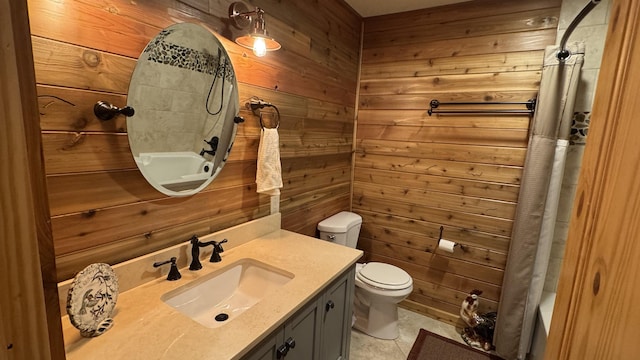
{"x":530,"y":104}
{"x":564,"y":54}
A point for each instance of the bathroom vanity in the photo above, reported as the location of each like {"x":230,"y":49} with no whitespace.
{"x":320,"y":330}
{"x":308,"y":317}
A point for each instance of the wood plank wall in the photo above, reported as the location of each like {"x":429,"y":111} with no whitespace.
{"x":414,"y":173}
{"x":102,"y":209}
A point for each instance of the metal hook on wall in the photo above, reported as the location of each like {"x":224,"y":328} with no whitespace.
{"x":106,"y":111}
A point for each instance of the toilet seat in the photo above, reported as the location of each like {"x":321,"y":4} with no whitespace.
{"x":384,"y":276}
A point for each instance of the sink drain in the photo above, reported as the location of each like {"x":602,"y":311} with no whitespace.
{"x":221,"y":317}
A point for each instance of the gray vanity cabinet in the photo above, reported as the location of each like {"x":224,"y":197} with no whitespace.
{"x":336,"y":319}
{"x":267,"y":350}
{"x":321,"y":330}
{"x":302,"y":334}
{"x":298,"y":339}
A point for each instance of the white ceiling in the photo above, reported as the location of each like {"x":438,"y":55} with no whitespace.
{"x":367,"y":8}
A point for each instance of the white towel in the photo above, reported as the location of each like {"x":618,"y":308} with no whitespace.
{"x":269,"y":172}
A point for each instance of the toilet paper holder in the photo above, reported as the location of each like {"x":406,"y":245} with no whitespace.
{"x":455,"y":244}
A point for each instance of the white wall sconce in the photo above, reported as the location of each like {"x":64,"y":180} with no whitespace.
{"x":257,"y":40}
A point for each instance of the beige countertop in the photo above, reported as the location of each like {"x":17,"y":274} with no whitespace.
{"x":147,"y":328}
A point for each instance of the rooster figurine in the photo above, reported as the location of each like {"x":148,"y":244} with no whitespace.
{"x":479,"y":330}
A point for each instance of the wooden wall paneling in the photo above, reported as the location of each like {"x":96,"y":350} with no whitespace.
{"x":521,"y":80}
{"x":482,"y":189}
{"x":71,"y":152}
{"x":128,"y":26}
{"x":289,"y":203}
{"x":313,"y":213}
{"x":450,"y":296}
{"x":297,"y":166}
{"x":334,"y":30}
{"x":497,"y":155}
{"x":313,"y":149}
{"x":62,"y":64}
{"x":291,"y":67}
{"x":305,"y":113}
{"x":98,"y":226}
{"x":126,"y":186}
{"x":447,"y":29}
{"x":456,"y":169}
{"x":444,"y":201}
{"x":103,"y":30}
{"x":472,"y":64}
{"x":312,"y":80}
{"x":498,"y":43}
{"x":415,"y":172}
{"x":311,"y":180}
{"x":491,"y":225}
{"x":459,"y":12}
{"x":482,"y":136}
{"x":421,"y":242}
{"x":420,"y":117}
{"x":141,"y":244}
{"x":418,"y":227}
{"x":335,"y":22}
{"x":434,"y":313}
{"x":290,"y":105}
{"x":298,"y":79}
{"x":63,"y":109}
{"x":296,"y":42}
{"x":432,"y":302}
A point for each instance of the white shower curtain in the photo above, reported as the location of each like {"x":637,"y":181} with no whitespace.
{"x":533,"y":227}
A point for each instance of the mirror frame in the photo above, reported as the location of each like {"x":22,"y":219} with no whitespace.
{"x":185,"y":95}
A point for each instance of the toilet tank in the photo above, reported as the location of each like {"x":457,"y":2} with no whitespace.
{"x":342,"y":228}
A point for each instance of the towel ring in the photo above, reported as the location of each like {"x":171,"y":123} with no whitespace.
{"x":277,"y":117}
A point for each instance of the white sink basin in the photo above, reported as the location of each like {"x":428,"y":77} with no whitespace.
{"x":219,"y":297}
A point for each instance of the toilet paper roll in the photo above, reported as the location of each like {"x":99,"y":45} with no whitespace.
{"x":446,"y":245}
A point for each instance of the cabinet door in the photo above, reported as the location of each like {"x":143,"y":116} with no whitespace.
{"x":267,"y":350}
{"x":302,"y":334}
{"x":337,"y":308}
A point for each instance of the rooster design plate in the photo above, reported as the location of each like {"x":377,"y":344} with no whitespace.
{"x":92,"y":298}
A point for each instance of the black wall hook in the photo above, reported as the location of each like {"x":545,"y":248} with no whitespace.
{"x":106,"y":111}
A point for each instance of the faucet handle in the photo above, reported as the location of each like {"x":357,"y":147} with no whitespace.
{"x":174,"y":273}
{"x":219,"y":245}
{"x":217,"y":249}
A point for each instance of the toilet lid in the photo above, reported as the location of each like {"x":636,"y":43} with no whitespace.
{"x":384,"y":276}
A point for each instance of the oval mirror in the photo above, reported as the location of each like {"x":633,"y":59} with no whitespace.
{"x":185,"y":95}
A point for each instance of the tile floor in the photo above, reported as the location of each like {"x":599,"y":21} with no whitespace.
{"x":364,"y":347}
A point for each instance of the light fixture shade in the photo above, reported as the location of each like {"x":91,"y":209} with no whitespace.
{"x":257,"y":40}
{"x":249,"y":41}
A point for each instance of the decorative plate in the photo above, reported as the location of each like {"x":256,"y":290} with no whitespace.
{"x":92,"y":298}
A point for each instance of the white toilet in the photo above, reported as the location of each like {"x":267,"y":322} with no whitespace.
{"x":379,"y":287}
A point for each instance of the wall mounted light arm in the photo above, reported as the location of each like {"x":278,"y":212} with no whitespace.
{"x":106,"y":111}
{"x":257,"y":40}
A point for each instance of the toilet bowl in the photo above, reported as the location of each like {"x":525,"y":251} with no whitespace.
{"x":379,"y":287}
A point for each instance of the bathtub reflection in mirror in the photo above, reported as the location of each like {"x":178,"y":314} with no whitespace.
{"x":185,"y":95}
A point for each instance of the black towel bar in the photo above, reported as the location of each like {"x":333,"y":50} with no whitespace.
{"x":530,"y":107}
